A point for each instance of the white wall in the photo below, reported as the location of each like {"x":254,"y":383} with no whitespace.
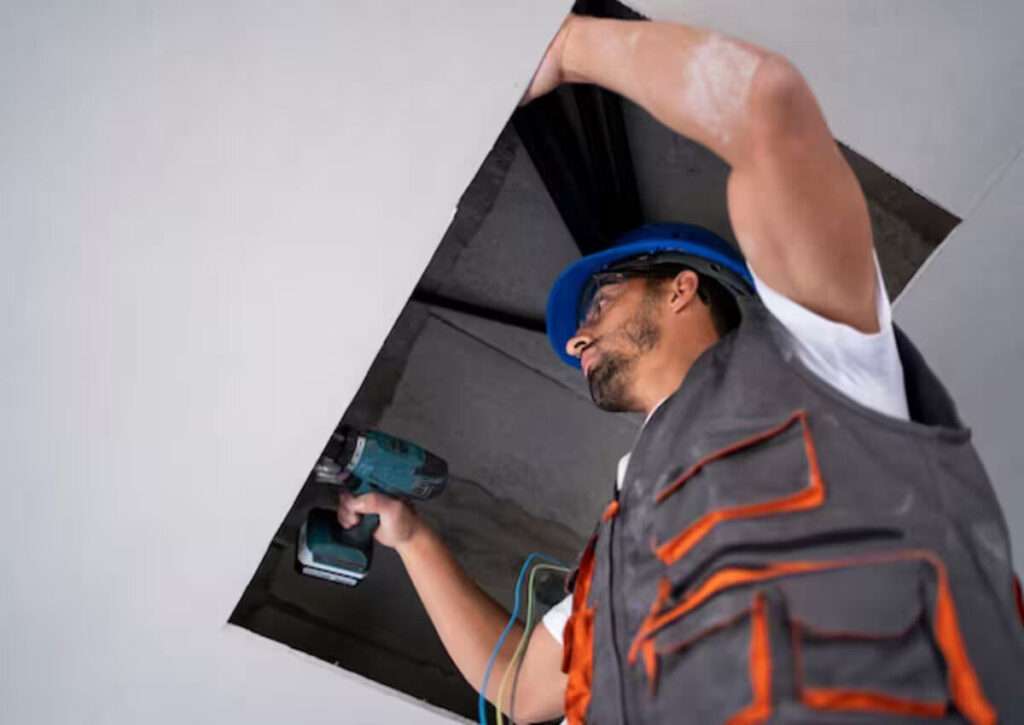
{"x":209,"y":217}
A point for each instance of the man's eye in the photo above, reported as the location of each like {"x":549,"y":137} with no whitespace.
{"x":596,"y":307}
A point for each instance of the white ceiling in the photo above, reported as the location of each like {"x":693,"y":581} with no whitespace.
{"x":930,"y":90}
{"x":211,"y":218}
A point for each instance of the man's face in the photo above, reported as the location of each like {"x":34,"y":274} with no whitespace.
{"x":620,"y":327}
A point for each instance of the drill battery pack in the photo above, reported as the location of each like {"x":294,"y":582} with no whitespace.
{"x":328,"y":551}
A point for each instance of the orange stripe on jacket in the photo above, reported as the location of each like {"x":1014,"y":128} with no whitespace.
{"x":760,"y":709}
{"x":578,"y":635}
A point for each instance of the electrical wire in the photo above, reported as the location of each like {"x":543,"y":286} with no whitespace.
{"x":516,"y":663}
{"x":481,"y":697}
{"x":517,"y":658}
{"x":519,"y":667}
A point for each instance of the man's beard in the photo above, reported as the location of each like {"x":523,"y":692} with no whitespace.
{"x":608,"y":383}
{"x":611,"y":379}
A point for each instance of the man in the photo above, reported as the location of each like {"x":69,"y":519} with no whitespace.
{"x":803,"y":532}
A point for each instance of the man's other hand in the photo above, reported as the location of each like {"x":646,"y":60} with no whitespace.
{"x":550,"y":73}
{"x":398,"y":521}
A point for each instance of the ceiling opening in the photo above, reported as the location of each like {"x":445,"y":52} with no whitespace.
{"x":466,"y":372}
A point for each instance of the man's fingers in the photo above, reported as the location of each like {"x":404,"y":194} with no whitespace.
{"x":351,"y":507}
{"x":368,"y":503}
{"x":347,"y":517}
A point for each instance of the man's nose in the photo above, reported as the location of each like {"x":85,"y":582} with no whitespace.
{"x":576,"y":344}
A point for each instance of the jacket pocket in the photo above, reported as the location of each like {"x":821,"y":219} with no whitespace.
{"x":772,"y":470}
{"x":714,"y":667}
{"x":875,"y":633}
{"x":863,"y":641}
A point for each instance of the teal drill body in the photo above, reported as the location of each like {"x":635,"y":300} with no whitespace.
{"x":363,"y":462}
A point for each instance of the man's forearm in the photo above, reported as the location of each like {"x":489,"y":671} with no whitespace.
{"x":702,"y":84}
{"x":468,"y":621}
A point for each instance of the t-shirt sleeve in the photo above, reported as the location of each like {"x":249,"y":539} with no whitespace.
{"x":864,"y":366}
{"x":554,"y":621}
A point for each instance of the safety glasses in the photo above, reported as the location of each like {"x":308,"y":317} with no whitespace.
{"x":636,"y":268}
{"x":659,"y":264}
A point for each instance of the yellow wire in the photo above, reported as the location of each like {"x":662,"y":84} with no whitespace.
{"x":513,"y":664}
{"x":521,"y":647}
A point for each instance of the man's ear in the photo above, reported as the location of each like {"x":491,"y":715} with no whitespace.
{"x":684,"y":290}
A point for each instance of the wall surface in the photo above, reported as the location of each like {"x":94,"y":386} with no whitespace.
{"x":210,"y":217}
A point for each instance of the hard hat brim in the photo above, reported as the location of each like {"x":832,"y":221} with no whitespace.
{"x":563,"y":302}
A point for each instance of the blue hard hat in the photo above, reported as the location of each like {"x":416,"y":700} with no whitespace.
{"x":687,"y":244}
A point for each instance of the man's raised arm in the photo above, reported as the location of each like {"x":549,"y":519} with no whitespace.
{"x":796,"y":208}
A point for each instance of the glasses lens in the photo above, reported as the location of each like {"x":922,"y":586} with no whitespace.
{"x":586,"y":300}
{"x":595,"y":283}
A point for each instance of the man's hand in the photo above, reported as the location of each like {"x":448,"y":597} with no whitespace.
{"x":551,"y":72}
{"x":398,"y":521}
{"x":467,"y":620}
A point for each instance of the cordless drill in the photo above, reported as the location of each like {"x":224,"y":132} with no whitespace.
{"x":362,"y":461}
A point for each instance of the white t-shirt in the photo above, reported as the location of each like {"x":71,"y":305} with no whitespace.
{"x":863,"y":367}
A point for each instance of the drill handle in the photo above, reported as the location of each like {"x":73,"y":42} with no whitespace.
{"x":361,"y":535}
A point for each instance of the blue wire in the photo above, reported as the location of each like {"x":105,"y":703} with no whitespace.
{"x":481,"y":699}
